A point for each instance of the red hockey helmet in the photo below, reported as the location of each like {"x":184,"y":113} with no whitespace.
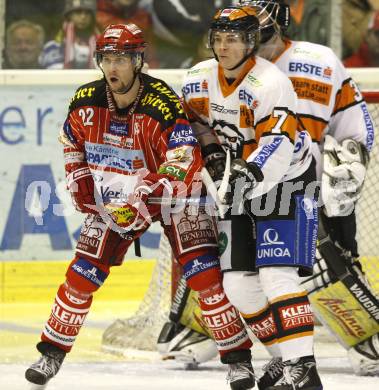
{"x":121,"y":39}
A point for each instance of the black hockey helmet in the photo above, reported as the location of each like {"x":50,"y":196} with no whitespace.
{"x":242,"y":20}
{"x":274,"y":16}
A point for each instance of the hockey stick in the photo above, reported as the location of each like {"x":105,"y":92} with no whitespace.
{"x":218,"y":195}
{"x":201,"y":201}
{"x":337,"y":263}
{"x":221,"y":193}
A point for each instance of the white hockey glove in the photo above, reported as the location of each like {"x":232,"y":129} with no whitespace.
{"x":344,"y":170}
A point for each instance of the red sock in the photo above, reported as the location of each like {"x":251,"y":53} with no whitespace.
{"x":67,"y":317}
{"x":223,"y":321}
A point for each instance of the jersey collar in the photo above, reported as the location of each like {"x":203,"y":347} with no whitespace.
{"x":288,"y":44}
{"x":227,"y":89}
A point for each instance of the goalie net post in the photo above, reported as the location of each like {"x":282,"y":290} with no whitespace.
{"x":142,"y":329}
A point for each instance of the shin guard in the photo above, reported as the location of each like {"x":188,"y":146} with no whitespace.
{"x":67,"y":317}
{"x":293,"y":317}
{"x":263,"y":326}
{"x":223,"y":320}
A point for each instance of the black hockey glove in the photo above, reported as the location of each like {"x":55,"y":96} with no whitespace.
{"x":250,"y":171}
{"x":214,"y":159}
{"x":240,"y":169}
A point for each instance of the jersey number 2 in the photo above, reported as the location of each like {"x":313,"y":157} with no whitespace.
{"x":86,"y":116}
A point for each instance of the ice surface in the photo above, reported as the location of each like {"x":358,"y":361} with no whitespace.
{"x":89,"y":368}
{"x":335,"y":372}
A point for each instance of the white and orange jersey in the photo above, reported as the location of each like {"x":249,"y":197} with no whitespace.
{"x":329,"y":101}
{"x":254,"y":117}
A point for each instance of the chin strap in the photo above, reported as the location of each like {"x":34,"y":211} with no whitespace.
{"x":130,"y":86}
{"x":246,"y":57}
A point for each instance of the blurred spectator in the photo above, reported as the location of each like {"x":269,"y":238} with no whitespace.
{"x":202,"y":52}
{"x":356,"y":15}
{"x":46,"y":13}
{"x":180,"y":26}
{"x":309,"y":21}
{"x":75,"y":43}
{"x":368,"y":53}
{"x":128,"y":11}
{"x":24,"y":42}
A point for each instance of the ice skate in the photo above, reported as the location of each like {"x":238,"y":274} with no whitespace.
{"x":241,"y":373}
{"x":273,"y":371}
{"x":47,"y":366}
{"x":364,"y":357}
{"x":299,"y":374}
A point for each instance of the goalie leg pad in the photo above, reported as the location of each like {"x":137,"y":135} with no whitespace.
{"x":340,"y":295}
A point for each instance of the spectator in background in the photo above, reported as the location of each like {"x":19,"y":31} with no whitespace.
{"x":356,"y":15}
{"x":309,"y":21}
{"x":128,"y":11}
{"x":368,"y":53}
{"x":180,"y":26}
{"x":74,"y":44}
{"x":46,"y":13}
{"x":24,"y":42}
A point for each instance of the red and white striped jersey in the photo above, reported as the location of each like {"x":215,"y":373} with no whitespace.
{"x":153,"y":134}
{"x":254,"y":117}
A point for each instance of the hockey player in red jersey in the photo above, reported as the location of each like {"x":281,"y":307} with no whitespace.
{"x":126,"y":141}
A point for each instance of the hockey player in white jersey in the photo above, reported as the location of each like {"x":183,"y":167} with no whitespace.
{"x":242,"y":104}
{"x":329,"y":103}
{"x":332,"y":109}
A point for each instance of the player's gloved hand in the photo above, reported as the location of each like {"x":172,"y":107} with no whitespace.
{"x":137,"y":213}
{"x":81,"y":186}
{"x":243,"y":177}
{"x":344,"y":170}
{"x":214,"y":158}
